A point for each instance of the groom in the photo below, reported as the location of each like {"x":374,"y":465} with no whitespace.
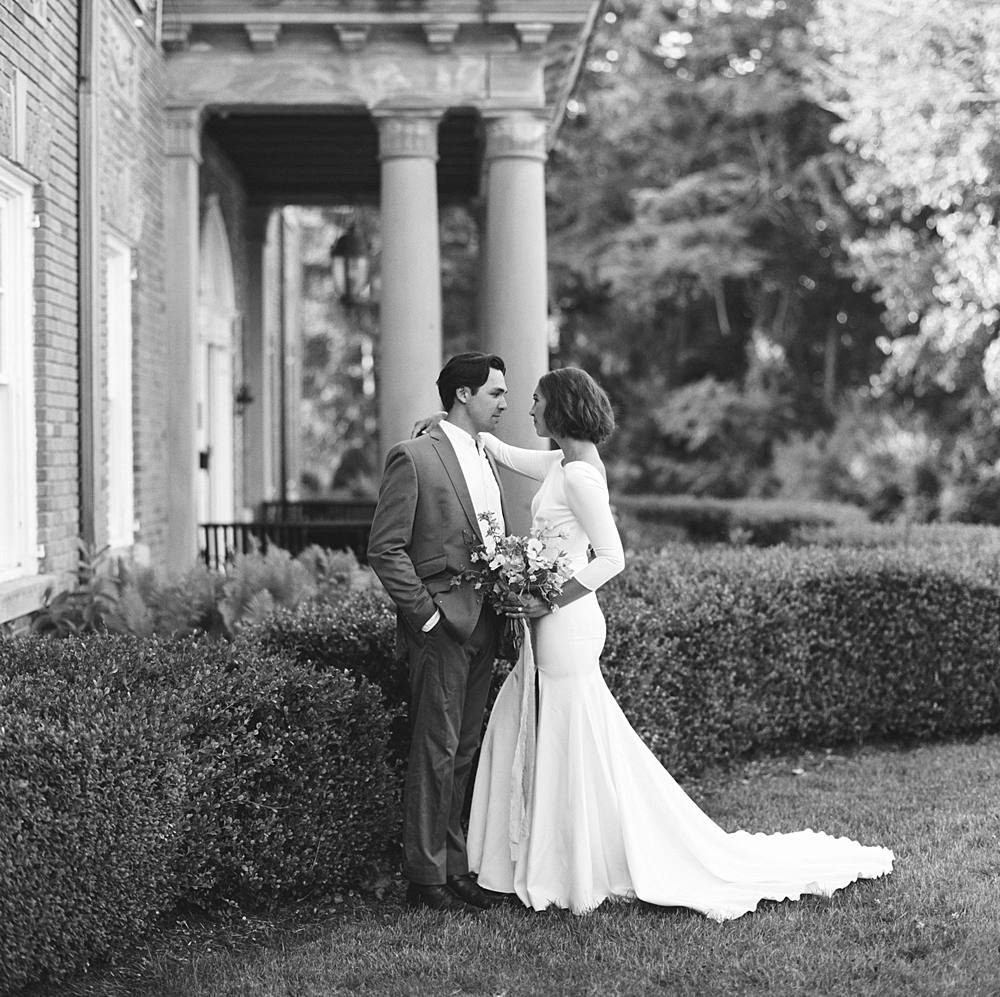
{"x":433,"y":489}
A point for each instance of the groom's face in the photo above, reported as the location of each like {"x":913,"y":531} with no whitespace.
{"x":485,"y":407}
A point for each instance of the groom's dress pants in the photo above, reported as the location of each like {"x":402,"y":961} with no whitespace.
{"x":449,"y":684}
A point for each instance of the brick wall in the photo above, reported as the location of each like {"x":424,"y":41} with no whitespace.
{"x":43,"y":54}
{"x":131,"y":171}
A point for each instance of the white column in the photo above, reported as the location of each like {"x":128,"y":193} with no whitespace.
{"x":257,"y":435}
{"x":183,"y":148}
{"x":410,"y":307}
{"x":515,"y":277}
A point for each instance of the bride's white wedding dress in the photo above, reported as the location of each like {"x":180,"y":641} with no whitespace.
{"x":576,"y":809}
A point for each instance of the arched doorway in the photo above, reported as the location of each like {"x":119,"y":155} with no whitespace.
{"x":217,"y":316}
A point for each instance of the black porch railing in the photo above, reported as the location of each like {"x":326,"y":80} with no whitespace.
{"x":219,"y":543}
{"x":321,"y":510}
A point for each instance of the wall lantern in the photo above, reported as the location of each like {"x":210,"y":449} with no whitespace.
{"x":243,"y":398}
{"x":349,"y":261}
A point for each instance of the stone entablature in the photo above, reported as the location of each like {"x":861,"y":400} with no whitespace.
{"x":490,"y":55}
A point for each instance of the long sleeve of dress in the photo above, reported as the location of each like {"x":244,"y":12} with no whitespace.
{"x":587,"y":497}
{"x":531,"y":463}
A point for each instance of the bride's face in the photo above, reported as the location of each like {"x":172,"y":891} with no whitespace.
{"x":537,"y":413}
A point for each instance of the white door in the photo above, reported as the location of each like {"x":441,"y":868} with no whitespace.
{"x":216,"y":388}
{"x":220,"y":434}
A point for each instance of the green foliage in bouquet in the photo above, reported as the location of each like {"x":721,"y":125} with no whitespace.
{"x":508,"y":568}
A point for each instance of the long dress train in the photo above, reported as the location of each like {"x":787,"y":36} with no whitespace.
{"x":590,"y":813}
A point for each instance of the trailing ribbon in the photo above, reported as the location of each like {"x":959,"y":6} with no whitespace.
{"x":523,"y":767}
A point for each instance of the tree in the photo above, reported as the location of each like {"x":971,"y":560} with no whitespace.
{"x":697,"y":210}
{"x":916,"y":89}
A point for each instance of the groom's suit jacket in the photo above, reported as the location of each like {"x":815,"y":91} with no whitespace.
{"x":421,"y":534}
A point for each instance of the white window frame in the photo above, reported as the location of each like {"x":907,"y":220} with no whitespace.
{"x":18,"y":431}
{"x":120,"y":446}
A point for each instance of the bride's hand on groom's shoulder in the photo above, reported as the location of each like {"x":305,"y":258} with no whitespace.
{"x":422,"y":426}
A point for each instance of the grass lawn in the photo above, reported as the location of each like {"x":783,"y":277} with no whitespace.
{"x":929,"y":930}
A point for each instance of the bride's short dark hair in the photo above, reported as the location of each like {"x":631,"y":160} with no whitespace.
{"x":576,"y":406}
{"x":466,"y":370}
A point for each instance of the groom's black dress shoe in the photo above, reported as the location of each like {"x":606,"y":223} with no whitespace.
{"x":471,"y":892}
{"x":438,"y":898}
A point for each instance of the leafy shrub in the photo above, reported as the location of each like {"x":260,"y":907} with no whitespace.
{"x":257,"y":583}
{"x":139,"y":774}
{"x":717,"y":653}
{"x":291,"y":791}
{"x":114,"y":595}
{"x":716,"y":437}
{"x":101,"y":601}
{"x":91,"y":806}
{"x":977,"y":547}
{"x":181,"y":604}
{"x":975,"y":502}
{"x":357,"y":635}
{"x":650,"y":520}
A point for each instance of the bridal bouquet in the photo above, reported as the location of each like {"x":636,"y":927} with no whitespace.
{"x":508,"y":568}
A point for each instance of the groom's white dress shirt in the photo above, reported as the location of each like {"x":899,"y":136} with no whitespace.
{"x":479,"y":478}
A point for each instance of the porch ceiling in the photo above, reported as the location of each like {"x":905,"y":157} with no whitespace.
{"x":331,"y":157}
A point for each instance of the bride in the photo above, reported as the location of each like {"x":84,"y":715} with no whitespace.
{"x":570,"y":807}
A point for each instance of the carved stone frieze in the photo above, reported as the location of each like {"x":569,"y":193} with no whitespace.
{"x":288,"y":77}
{"x":407,"y":135}
{"x":518,"y":136}
{"x":516,"y":78}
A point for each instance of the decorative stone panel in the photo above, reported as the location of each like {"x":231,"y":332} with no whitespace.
{"x":6,"y":116}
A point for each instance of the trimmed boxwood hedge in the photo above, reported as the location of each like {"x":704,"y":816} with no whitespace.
{"x":357,"y":634}
{"x":91,"y":790}
{"x":651,"y":520}
{"x":716,"y":653}
{"x":137,"y":775}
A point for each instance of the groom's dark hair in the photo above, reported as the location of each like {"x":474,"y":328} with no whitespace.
{"x":466,"y":370}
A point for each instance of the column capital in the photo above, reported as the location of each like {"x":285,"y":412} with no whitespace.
{"x":519,"y":135}
{"x":183,"y":132}
{"x":407,"y":134}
